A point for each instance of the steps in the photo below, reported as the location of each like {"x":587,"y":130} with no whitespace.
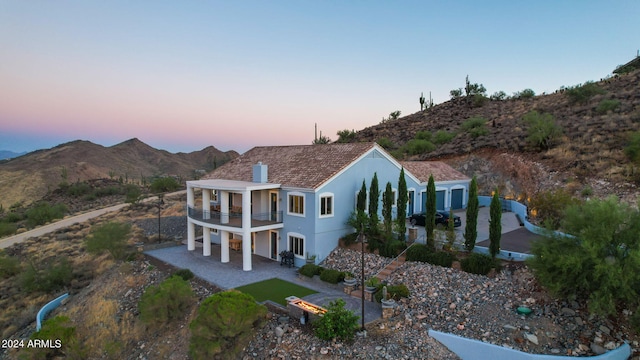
{"x":384,"y":273}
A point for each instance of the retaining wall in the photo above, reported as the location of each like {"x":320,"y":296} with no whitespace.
{"x":51,"y":305}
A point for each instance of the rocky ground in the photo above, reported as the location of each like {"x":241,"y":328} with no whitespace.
{"x":468,"y":305}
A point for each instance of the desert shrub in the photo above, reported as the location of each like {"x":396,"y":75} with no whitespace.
{"x":394,"y":292}
{"x":108,"y":191}
{"x":49,"y":278}
{"x":583,"y":93}
{"x":419,"y":146}
{"x":498,"y":95}
{"x":475,"y":126}
{"x":78,"y":189}
{"x":423,"y":135}
{"x":165,"y":302}
{"x":7,"y":228}
{"x":337,"y":322}
{"x":185,"y":274}
{"x":164,"y":184}
{"x":477,"y":264}
{"x":9,"y":265}
{"x":44,"y":212}
{"x":13,"y":217}
{"x":132,"y":194}
{"x":110,"y":237}
{"x":632,"y":150}
{"x":418,"y":252}
{"x":442,"y":137}
{"x":524,"y":94}
{"x":391,"y":248}
{"x":607,"y":105}
{"x":549,"y":206}
{"x":385,"y":143}
{"x":332,"y":276}
{"x":61,"y":334}
{"x":224,"y":324}
{"x":478,"y":100}
{"x":635,"y":320}
{"x":542,"y":129}
{"x":310,"y":270}
{"x":441,"y":258}
{"x":599,"y":263}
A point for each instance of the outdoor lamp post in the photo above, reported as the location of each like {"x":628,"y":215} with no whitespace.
{"x":362,"y":240}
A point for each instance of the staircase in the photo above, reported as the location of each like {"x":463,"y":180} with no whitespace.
{"x":385,"y":272}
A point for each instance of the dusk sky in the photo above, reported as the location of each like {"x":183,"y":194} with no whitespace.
{"x":183,"y":75}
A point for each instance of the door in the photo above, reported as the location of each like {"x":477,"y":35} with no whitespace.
{"x":410,"y":202}
{"x":440,"y":199}
{"x":273,"y":240}
{"x":273,"y":206}
{"x":456,"y":198}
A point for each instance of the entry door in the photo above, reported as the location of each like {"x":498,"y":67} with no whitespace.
{"x":410,"y":203}
{"x":274,"y":245}
{"x":273,"y":206}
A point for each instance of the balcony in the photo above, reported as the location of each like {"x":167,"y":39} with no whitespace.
{"x":234,"y":219}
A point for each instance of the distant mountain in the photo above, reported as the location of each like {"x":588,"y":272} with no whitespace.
{"x":8,"y":154}
{"x":29,"y":177}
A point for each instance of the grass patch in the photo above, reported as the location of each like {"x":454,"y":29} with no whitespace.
{"x":275,"y":290}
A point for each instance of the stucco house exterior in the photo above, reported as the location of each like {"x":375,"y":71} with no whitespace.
{"x":298,"y":198}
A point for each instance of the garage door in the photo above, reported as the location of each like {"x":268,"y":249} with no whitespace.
{"x":456,"y":198}
{"x":440,"y":200}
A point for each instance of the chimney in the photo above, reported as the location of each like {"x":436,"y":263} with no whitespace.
{"x":260,"y":172}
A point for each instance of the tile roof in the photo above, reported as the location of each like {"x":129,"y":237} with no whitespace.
{"x":301,"y":166}
{"x":441,"y":171}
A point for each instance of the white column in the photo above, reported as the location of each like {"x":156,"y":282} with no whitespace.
{"x":191,"y":197}
{"x":224,"y":207}
{"x":206,"y":204}
{"x":206,"y":241}
{"x":224,"y":246}
{"x":191,"y":236}
{"x":246,"y":230}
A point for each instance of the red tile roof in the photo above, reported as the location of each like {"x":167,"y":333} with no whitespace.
{"x":301,"y":166}
{"x":440,"y":171}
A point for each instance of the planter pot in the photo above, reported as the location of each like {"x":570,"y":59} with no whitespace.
{"x":350,"y":282}
{"x":370,"y":289}
{"x":388,"y":303}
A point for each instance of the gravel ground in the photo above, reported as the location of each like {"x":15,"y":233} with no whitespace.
{"x":454,"y":301}
{"x":171,"y":227}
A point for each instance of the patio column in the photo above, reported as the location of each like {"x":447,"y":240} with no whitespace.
{"x":246,"y":230}
{"x":206,"y":241}
{"x":206,"y":204}
{"x":224,"y":207}
{"x":191,"y":197}
{"x":224,"y":246}
{"x":191,"y":236}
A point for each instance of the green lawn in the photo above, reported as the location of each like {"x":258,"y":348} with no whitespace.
{"x":275,"y":290}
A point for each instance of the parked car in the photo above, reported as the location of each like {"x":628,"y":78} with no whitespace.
{"x":442,"y":217}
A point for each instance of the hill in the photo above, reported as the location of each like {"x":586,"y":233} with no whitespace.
{"x":596,"y":120}
{"x":30,"y":177}
{"x":7,"y":154}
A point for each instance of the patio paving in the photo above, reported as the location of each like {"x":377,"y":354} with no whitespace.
{"x":230,"y":275}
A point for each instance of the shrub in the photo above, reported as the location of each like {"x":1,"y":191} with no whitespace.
{"x":549,"y":206}
{"x":168,"y":301}
{"x":133,"y":194}
{"x":7,"y":228}
{"x":542,"y":129}
{"x":419,"y":146}
{"x":418,"y":252}
{"x":385,"y":143}
{"x":607,"y":105}
{"x":391,"y":247}
{"x":309,"y":270}
{"x":13,"y":217}
{"x":108,"y":191}
{"x":442,"y":137}
{"x":224,"y":324}
{"x":600,"y":263}
{"x":477,"y":264}
{"x":337,"y":322}
{"x":583,"y":93}
{"x":61,"y":334}
{"x":332,"y":276}
{"x":110,"y":237}
{"x":9,"y":265}
{"x":51,"y":278}
{"x":423,"y":135}
{"x":478,"y":100}
{"x":394,"y":292}
{"x":78,"y":189}
{"x":185,"y":274}
{"x":499,"y":95}
{"x":632,"y":150}
{"x":354,"y":221}
{"x":475,"y":126}
{"x":524,"y":94}
{"x":43,"y":213}
{"x":441,"y":258}
{"x":164,"y":184}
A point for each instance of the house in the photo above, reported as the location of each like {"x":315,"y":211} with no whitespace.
{"x":298,"y":198}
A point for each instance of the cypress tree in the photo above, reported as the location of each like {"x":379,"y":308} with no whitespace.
{"x":387,"y":204}
{"x":471,"y":226}
{"x":401,"y":219}
{"x":361,"y":205}
{"x":495,"y":225}
{"x":430,"y":220}
{"x":374,"y":195}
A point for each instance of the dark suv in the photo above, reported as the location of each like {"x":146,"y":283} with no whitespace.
{"x":442,"y":217}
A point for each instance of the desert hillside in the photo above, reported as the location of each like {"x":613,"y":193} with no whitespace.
{"x":595,"y":121}
{"x":30,"y":177}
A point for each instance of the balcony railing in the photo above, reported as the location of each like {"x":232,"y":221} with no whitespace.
{"x":234,"y":219}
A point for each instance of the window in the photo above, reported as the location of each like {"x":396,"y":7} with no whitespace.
{"x":296,"y":244}
{"x":326,"y":205}
{"x":395,"y":197}
{"x":214,"y":232}
{"x":296,"y":204}
{"x":214,"y":195}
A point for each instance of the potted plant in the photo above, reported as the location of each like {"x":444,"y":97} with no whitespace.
{"x":311,"y":259}
{"x":349,"y":279}
{"x":387,"y":300}
{"x":371,"y":284}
